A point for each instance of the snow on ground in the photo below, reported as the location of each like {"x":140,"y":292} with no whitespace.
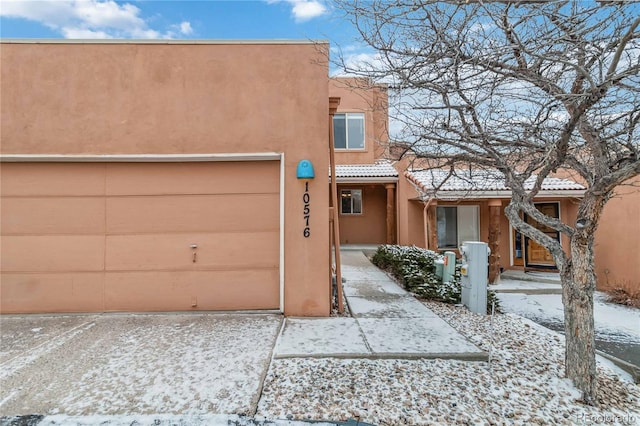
{"x":613,"y":322}
{"x":393,"y":306}
{"x":169,"y":420}
{"x":513,"y":286}
{"x":21,"y":333}
{"x":423,"y":336}
{"x":147,"y":364}
{"x":315,"y":336}
{"x":522,"y":385}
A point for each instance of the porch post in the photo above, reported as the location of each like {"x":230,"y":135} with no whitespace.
{"x":333,"y":106}
{"x":390,"y":211}
{"x":432,"y":226}
{"x":494,"y":240}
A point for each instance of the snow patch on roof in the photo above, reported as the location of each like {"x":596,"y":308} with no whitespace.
{"x":378,"y":169}
{"x":479,"y":180}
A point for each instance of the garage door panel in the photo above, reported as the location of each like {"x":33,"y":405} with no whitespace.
{"x":52,"y":253}
{"x":209,"y":290}
{"x":53,"y":215}
{"x":34,"y":179}
{"x":173,"y":251}
{"x":57,"y":292}
{"x":211,"y":213}
{"x":67,"y":246}
{"x":193,"y":178}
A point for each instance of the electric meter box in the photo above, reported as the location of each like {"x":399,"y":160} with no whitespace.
{"x":475,"y":271}
{"x":448,"y":267}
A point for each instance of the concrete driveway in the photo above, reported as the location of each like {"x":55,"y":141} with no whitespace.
{"x":199,"y":364}
{"x":114,"y":364}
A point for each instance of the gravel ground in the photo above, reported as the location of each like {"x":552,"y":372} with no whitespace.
{"x":522,"y":385}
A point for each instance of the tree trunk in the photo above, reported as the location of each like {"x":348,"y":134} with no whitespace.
{"x":578,"y":285}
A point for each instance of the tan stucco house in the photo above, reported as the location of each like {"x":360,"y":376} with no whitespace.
{"x":397,"y":202}
{"x":159,"y":176}
{"x":165,"y":176}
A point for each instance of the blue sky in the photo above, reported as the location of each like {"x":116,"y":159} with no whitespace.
{"x":173,"y":19}
{"x":205,"y":19}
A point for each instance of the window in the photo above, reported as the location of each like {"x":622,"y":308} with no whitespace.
{"x":348,"y":131}
{"x":351,"y":201}
{"x":457,"y":224}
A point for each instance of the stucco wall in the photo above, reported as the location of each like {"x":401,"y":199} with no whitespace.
{"x":164,"y":98}
{"x":617,"y":240}
{"x":370,"y":226}
{"x":357,"y":95}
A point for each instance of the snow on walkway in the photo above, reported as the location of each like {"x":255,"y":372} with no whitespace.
{"x":387,"y":322}
{"x":613,"y":322}
{"x":523,"y":384}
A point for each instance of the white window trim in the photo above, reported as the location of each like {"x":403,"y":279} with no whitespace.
{"x":361,"y":202}
{"x":364,"y":131}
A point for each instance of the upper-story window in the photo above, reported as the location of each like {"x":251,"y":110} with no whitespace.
{"x":348,"y":130}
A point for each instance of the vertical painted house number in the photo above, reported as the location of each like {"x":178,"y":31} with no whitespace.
{"x":306,"y":212}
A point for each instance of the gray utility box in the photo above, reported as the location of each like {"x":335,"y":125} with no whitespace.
{"x":446,"y":268}
{"x":474,"y":271}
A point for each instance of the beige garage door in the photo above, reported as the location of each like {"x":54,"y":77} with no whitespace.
{"x":139,"y":236}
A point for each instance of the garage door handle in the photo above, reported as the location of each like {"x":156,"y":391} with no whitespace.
{"x":195,"y":254}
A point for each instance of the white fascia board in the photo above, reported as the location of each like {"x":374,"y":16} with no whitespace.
{"x":137,"y":158}
{"x":281,"y":236}
{"x":160,"y":41}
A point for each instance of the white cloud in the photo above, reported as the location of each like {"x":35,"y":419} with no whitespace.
{"x":370,"y":62}
{"x":83,"y":34}
{"x":185,"y":28}
{"x":304,"y":10}
{"x":87,"y":18}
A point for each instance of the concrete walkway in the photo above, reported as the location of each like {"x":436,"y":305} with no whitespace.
{"x":509,"y":285}
{"x":386,"y":322}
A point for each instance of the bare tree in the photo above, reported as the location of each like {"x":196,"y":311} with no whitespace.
{"x":525,"y":89}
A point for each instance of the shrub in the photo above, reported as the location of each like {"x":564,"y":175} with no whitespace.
{"x":624,"y":296}
{"x":415,"y":269}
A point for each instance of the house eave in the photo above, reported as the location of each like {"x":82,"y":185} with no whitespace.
{"x":164,"y":41}
{"x":136,"y":158}
{"x":474,"y":195}
{"x":367,"y":180}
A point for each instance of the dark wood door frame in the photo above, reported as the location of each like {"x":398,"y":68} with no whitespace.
{"x":551,"y":232}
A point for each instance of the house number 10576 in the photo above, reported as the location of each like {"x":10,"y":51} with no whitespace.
{"x":306,"y":212}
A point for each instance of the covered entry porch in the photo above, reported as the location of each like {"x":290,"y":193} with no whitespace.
{"x":367,"y":203}
{"x":471,"y":207}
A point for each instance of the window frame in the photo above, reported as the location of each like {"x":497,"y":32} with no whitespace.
{"x":475,"y":208}
{"x":342,"y":190}
{"x":346,"y":126}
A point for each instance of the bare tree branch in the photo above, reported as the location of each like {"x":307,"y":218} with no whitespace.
{"x":526,"y":89}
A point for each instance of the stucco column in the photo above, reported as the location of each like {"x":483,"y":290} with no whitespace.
{"x":391,"y":197}
{"x":495,"y":208}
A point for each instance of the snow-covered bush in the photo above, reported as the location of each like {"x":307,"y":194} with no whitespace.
{"x":415,"y":269}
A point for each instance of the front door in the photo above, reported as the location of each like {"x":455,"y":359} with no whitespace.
{"x":536,"y":256}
